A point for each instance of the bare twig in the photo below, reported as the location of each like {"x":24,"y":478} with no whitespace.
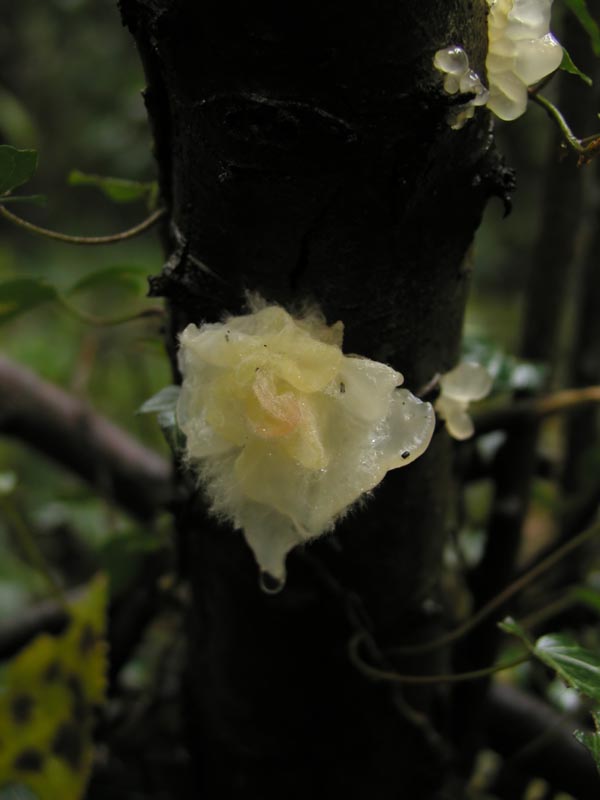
{"x":519,"y":411}
{"x":498,"y":600}
{"x":390,"y":676}
{"x":67,"y":430}
{"x":114,"y":238}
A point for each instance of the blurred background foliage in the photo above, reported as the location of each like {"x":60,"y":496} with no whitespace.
{"x":70,"y":87}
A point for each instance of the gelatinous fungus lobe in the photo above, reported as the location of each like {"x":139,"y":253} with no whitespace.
{"x":285,"y":431}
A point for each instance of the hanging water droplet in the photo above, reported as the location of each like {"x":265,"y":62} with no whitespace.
{"x":269,"y":583}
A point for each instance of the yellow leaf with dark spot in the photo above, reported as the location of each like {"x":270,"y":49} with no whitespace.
{"x":48,"y":694}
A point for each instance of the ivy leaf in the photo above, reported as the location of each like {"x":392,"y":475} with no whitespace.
{"x":568,"y":65}
{"x":23,"y":294}
{"x":16,"y":167}
{"x":592,"y":740}
{"x":120,"y":190}
{"x":48,"y":695}
{"x":132,"y":278}
{"x":578,"y":667}
{"x":587,"y":22}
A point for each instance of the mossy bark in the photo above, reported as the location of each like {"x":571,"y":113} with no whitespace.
{"x":304,"y":153}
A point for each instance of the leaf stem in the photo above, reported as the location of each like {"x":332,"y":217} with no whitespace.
{"x":499,"y":600}
{"x":586,"y":151}
{"x":91,"y":240}
{"x":100,"y":322}
{"x":396,"y":677}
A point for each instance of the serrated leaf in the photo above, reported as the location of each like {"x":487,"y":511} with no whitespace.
{"x":47,"y":699}
{"x":16,"y":167}
{"x":23,"y":294}
{"x":577,"y":666}
{"x":587,"y":22}
{"x":133,"y":278}
{"x":163,"y":401}
{"x":568,"y":65}
{"x":591,"y":740}
{"x":120,"y":190}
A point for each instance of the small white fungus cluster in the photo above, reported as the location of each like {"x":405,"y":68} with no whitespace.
{"x":286,"y":432}
{"x":454,"y":62}
{"x":466,"y":383}
{"x":521,"y":51}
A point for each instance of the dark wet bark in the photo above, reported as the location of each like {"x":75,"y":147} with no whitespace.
{"x":304,"y":153}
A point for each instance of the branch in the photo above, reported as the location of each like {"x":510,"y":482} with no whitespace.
{"x":539,"y":741}
{"x":534,"y":409}
{"x":67,"y":430}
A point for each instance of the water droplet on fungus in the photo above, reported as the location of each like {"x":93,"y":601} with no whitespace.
{"x":269,"y":584}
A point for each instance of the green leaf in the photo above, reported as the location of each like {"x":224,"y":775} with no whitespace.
{"x":508,"y":372}
{"x":588,"y":597}
{"x":578,"y":667}
{"x":37,"y":199}
{"x":164,"y":401}
{"x":8,"y":483}
{"x":122,"y":556}
{"x":23,"y":294}
{"x":132,"y":278}
{"x":568,"y":65}
{"x":120,"y":190}
{"x":591,"y":740}
{"x":16,"y":167}
{"x":588,"y":23}
{"x":17,"y":791}
{"x":164,"y":405}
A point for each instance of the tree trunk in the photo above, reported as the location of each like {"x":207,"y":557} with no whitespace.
{"x":304,"y":153}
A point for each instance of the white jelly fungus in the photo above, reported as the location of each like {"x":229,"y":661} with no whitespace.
{"x":285,"y":431}
{"x":461,"y":386}
{"x":521,"y":51}
{"x":454,"y":63}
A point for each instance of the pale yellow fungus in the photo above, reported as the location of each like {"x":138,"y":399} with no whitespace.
{"x":286,"y":432}
{"x":466,"y":383}
{"x":521,"y":51}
